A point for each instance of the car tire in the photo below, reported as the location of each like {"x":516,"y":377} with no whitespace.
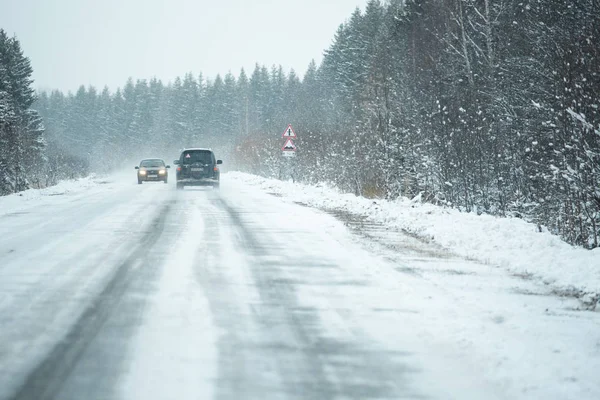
{"x":179,"y":186}
{"x":165,"y":181}
{"x":217,"y":186}
{"x":139,"y":181}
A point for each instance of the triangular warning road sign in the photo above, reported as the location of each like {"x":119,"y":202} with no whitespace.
{"x":289,"y":132}
{"x":289,"y":146}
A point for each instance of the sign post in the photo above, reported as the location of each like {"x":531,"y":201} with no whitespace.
{"x":289,"y":132}
{"x":289,"y":150}
{"x":289,"y":146}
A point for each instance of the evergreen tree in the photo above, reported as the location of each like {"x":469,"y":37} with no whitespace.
{"x":21,"y":129}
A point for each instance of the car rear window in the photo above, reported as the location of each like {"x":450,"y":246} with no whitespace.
{"x":152,"y":163}
{"x":197,"y":156}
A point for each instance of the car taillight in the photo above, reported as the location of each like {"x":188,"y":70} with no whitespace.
{"x":216,"y":169}
{"x":178,"y":168}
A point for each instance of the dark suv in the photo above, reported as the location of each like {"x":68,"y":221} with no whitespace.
{"x":198,"y":167}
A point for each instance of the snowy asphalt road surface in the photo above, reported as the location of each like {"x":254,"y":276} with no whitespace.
{"x":143,"y":292}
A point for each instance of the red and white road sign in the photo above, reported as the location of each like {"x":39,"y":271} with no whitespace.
{"x":289,"y":132}
{"x":289,"y":146}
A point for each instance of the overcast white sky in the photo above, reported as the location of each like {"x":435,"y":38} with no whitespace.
{"x":103,"y":42}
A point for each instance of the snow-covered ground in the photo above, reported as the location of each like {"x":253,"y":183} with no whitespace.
{"x":17,"y":201}
{"x":113,"y":290}
{"x":510,"y":243}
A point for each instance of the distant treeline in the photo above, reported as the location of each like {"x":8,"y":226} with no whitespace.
{"x":485,"y":105}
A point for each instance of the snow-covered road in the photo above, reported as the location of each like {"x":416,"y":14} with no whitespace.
{"x":120,"y":291}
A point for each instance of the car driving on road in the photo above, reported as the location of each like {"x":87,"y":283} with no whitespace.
{"x":198,"y":167}
{"x":152,"y":169}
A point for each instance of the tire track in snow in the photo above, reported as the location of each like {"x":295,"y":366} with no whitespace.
{"x":48,"y":378}
{"x":291,"y":342}
{"x":312,"y":362}
{"x":235,"y":373}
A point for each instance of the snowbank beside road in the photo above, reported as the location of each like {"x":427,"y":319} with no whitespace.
{"x":17,"y":201}
{"x":510,"y":243}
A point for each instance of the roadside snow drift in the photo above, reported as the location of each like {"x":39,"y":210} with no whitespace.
{"x":510,"y":243}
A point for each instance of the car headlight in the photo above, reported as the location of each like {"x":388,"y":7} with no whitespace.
{"x":142,"y":172}
{"x":162,"y":171}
